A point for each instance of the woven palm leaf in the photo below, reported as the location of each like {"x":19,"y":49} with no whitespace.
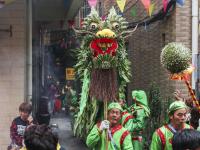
{"x":175,"y":57}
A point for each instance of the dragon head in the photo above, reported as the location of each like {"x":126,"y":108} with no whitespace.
{"x":104,"y":37}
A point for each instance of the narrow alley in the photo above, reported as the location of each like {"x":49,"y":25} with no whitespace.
{"x":66,"y":138}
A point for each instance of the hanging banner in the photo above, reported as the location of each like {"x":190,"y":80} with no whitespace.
{"x":151,"y":9}
{"x":146,"y":4}
{"x":133,"y":11}
{"x":92,"y":3}
{"x":70,"y":74}
{"x":121,"y":4}
{"x":165,"y":2}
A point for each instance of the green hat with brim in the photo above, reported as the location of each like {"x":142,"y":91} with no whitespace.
{"x":176,"y":106}
{"x":114,"y":105}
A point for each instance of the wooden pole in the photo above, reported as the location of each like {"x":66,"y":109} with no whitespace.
{"x":106,"y":118}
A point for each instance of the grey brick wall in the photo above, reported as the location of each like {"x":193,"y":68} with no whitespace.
{"x":145,"y":46}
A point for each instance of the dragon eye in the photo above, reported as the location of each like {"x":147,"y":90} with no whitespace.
{"x":115,"y":25}
{"x":93,"y":26}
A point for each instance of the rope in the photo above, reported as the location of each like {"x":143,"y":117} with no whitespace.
{"x":196,"y":102}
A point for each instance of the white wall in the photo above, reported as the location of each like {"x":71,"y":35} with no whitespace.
{"x":12,"y":66}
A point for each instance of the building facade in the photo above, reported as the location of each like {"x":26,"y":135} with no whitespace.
{"x":12,"y":65}
{"x":145,"y":46}
{"x":22,"y":24}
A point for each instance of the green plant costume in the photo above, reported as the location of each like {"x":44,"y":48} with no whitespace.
{"x":162,"y":137}
{"x":140,"y":111}
{"x":102,"y":65}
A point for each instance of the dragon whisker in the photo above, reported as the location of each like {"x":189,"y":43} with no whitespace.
{"x":128,"y":33}
{"x":82,"y":31}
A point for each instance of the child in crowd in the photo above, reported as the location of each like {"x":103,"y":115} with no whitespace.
{"x":187,"y":139}
{"x":40,"y":137}
{"x":19,"y":125}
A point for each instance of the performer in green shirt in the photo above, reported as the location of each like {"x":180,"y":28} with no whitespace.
{"x":162,"y":137}
{"x":127,"y":117}
{"x":140,"y":111}
{"x":119,"y":138}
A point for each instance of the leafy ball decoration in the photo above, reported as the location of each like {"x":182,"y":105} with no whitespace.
{"x":175,"y":57}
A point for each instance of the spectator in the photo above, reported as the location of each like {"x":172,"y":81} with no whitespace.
{"x":187,"y":139}
{"x":19,"y":125}
{"x":40,"y":137}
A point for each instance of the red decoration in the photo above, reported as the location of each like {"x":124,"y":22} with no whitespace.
{"x":104,"y":46}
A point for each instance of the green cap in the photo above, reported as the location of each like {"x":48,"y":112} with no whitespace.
{"x":176,"y":106}
{"x":140,"y":97}
{"x":114,"y":105}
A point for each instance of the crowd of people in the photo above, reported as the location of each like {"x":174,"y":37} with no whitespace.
{"x":123,"y":128}
{"x":125,"y":125}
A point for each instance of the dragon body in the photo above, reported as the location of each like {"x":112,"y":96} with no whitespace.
{"x":102,"y":65}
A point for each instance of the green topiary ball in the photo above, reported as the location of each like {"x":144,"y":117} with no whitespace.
{"x":175,"y":57}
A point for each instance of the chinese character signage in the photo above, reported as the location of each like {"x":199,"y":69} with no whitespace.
{"x":70,"y":74}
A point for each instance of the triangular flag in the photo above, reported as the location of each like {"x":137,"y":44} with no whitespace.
{"x":151,"y":9}
{"x":92,"y":3}
{"x":133,"y":11}
{"x":180,"y":2}
{"x":165,"y":2}
{"x":121,"y":4}
{"x":146,"y":4}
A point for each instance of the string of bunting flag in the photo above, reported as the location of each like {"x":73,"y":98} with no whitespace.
{"x":168,"y":7}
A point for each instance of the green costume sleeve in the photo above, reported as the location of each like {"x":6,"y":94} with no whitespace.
{"x":93,"y":137}
{"x":156,"y":142}
{"x":129,"y":125}
{"x":139,"y":121}
{"x":127,"y":144}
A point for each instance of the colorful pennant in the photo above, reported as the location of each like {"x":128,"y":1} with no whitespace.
{"x":151,"y":9}
{"x":180,"y":2}
{"x":121,"y":4}
{"x":92,"y":3}
{"x":165,"y":2}
{"x":146,"y":4}
{"x":133,"y":11}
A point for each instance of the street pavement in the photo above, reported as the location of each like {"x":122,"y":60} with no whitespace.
{"x":66,"y":138}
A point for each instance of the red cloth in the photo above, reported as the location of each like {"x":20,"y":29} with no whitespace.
{"x":57,"y":105}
